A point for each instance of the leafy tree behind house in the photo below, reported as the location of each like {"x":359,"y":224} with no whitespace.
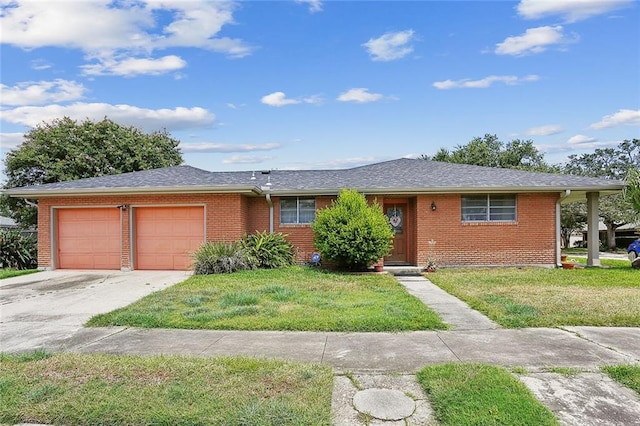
{"x":352,"y":233}
{"x":610,"y":163}
{"x":573,"y":218}
{"x":632,"y":190}
{"x":66,"y":150}
{"x":489,"y":151}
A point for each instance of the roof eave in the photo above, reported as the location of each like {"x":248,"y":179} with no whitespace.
{"x":604,"y":190}
{"x":34,"y":193}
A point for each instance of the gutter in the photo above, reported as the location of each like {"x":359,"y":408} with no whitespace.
{"x":270,"y":202}
{"x":39,"y":193}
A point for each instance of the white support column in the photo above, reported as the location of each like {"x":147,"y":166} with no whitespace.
{"x":593,"y":234}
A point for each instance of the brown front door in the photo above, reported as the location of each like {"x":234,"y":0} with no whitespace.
{"x":397,"y":215}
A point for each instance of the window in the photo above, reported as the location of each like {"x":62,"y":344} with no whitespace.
{"x":297,"y":210}
{"x":489,"y":208}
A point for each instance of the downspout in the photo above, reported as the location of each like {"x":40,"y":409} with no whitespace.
{"x":567,"y":192}
{"x":270,"y":202}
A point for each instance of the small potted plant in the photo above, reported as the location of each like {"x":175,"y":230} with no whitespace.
{"x":431,"y":265}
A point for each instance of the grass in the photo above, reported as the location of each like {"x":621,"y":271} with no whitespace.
{"x":75,"y":389}
{"x":626,"y":374}
{"x":541,"y":297}
{"x":477,"y":394}
{"x":8,"y":273}
{"x":296,"y":298}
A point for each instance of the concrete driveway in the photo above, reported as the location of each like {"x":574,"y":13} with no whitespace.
{"x":45,"y":310}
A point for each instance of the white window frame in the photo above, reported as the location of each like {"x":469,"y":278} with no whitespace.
{"x":484,"y":213}
{"x":299,"y":211}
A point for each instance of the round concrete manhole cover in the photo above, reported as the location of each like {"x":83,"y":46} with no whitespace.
{"x":384,"y":404}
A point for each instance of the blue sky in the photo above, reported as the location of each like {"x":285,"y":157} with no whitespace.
{"x":323,"y":84}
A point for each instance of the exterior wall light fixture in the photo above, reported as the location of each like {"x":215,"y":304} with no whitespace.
{"x":433,"y":206}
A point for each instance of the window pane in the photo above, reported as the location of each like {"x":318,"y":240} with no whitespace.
{"x":307,"y":210}
{"x":288,"y":211}
{"x":503,"y":207}
{"x":474,"y":208}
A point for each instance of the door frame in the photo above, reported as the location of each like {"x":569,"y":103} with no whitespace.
{"x":409,"y":227}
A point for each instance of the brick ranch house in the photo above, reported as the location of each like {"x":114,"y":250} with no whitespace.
{"x":459,"y":214}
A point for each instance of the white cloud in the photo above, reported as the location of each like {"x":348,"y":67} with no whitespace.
{"x":390,"y":46}
{"x":135,"y":66}
{"x":580,"y":139}
{"x":246,"y":159}
{"x":550,"y":129}
{"x":278,"y":99}
{"x":627,"y":117}
{"x":128,"y":29}
{"x":41,"y":92}
{"x":314,"y":5}
{"x":40,"y":64}
{"x":360,"y":95}
{"x":314,"y":100}
{"x":569,"y":10}
{"x":227,"y":147}
{"x":534,"y":40}
{"x":11,"y":140}
{"x":509,"y":80}
{"x":147,"y":119}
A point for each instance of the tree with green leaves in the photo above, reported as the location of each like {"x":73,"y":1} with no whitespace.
{"x":610,"y":163}
{"x":632,"y":190}
{"x":573,"y":218}
{"x":352,"y":233}
{"x":65,"y":150}
{"x":489,"y":151}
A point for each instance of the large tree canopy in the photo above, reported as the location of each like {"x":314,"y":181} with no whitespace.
{"x":66,"y":150}
{"x":611,"y":163}
{"x":489,"y":151}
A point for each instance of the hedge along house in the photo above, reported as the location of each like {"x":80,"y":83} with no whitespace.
{"x":457,"y":214}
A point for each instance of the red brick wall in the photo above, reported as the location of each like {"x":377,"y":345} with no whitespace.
{"x":300,"y":235}
{"x":529,"y":240}
{"x":227,"y":217}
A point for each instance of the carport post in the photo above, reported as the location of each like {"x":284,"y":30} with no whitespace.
{"x":593,"y":232}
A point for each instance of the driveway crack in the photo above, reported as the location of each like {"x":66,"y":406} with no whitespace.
{"x":450,"y":350}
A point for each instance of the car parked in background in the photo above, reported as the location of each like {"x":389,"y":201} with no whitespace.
{"x":634,"y":250}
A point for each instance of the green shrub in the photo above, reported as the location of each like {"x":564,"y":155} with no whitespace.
{"x":270,"y":250}
{"x":218,"y":257}
{"x":17,"y":251}
{"x":351,"y":233}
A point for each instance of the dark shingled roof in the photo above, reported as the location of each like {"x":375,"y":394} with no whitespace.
{"x":396,"y":176}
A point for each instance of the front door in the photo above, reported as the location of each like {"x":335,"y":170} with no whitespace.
{"x":396,"y":213}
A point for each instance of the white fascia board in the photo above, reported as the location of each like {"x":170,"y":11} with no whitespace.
{"x":34,"y":193}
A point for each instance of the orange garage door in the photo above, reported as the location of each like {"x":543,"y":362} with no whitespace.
{"x":89,"y":238}
{"x":166,"y":236}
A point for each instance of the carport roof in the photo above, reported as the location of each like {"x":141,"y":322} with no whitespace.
{"x":400,"y":176}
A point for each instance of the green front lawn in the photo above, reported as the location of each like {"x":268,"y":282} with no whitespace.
{"x":626,"y":374}
{"x":477,"y":394}
{"x":296,"y":298}
{"x":8,"y":273}
{"x":126,"y":390}
{"x":540,"y":297}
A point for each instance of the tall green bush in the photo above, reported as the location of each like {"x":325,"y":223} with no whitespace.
{"x":17,"y":251}
{"x":270,"y":250}
{"x":351,"y":233}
